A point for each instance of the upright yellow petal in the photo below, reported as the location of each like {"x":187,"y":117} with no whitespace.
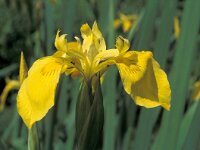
{"x":37,"y":92}
{"x":117,"y":23}
{"x":98,"y":39}
{"x":146,"y":82}
{"x":23,"y":70}
{"x":100,"y":44}
{"x":86,"y":33}
{"x":61,"y":42}
{"x":96,"y":31}
{"x":122,"y":44}
{"x":10,"y":85}
{"x":126,"y":25}
{"x":85,"y":30}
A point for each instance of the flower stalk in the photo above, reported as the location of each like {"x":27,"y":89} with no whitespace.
{"x":33,"y":140}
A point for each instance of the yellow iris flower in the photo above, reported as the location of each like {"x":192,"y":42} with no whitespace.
{"x":13,"y":84}
{"x":125,"y":21}
{"x":141,"y":75}
{"x":196,"y":91}
{"x":10,"y":85}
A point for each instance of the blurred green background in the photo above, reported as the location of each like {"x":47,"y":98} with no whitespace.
{"x":30,"y":26}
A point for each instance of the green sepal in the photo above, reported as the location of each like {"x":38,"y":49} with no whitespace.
{"x":82,"y":107}
{"x":92,"y":127}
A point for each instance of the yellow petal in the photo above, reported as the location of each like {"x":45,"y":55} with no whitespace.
{"x":75,"y":53}
{"x":10,"y":85}
{"x":117,"y":23}
{"x":176,"y":27}
{"x":96,"y":31}
{"x":37,"y":92}
{"x":98,"y":39}
{"x":126,"y":22}
{"x":86,"y":33}
{"x":146,"y":82}
{"x":23,"y":70}
{"x":85,"y":30}
{"x":131,"y":67}
{"x":104,"y":55}
{"x":126,"y":25}
{"x":102,"y":67}
{"x":60,"y":54}
{"x":100,"y":44}
{"x":196,"y":91}
{"x":153,"y":89}
{"x":103,"y":59}
{"x":61,"y":42}
{"x":73,"y":71}
{"x":122,"y":44}
{"x":73,"y":46}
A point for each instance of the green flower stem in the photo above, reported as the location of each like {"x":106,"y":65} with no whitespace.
{"x":33,"y":140}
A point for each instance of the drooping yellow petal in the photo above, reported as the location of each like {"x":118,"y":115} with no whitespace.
{"x":146,"y":82}
{"x":23,"y":70}
{"x":10,"y":85}
{"x":122,"y":44}
{"x":155,"y":86}
{"x":196,"y":91}
{"x":37,"y":92}
{"x":61,"y":42}
{"x":132,"y":66}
